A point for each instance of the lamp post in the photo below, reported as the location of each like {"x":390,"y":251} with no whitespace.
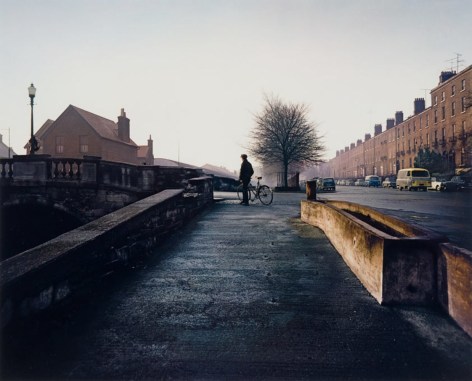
{"x":34,"y":146}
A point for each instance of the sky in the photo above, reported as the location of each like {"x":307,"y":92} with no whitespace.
{"x":193,"y":73}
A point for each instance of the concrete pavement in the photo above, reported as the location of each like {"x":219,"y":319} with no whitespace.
{"x":241,"y":293}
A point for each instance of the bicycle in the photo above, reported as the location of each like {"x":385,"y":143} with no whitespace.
{"x":262,"y":192}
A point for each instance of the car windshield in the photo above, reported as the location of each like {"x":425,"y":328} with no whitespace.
{"x":420,"y":173}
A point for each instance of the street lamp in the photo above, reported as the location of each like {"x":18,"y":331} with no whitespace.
{"x":34,"y":146}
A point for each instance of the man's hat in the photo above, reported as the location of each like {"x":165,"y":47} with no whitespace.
{"x":243,"y":156}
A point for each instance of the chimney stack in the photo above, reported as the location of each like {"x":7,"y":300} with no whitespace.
{"x":359,"y":142}
{"x":353,"y":145}
{"x":390,"y":123}
{"x":367,"y":137}
{"x":398,"y":117}
{"x":445,"y":75}
{"x":150,"y":153}
{"x":377,"y":129}
{"x":123,"y":127}
{"x":419,"y":105}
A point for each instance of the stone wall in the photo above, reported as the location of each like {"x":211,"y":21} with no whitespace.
{"x":455,"y":284}
{"x":48,"y":274}
{"x":396,"y":262}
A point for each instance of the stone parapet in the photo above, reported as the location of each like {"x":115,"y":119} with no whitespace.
{"x":396,"y":262}
{"x":45,"y":275}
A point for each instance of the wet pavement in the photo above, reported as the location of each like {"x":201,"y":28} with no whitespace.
{"x":240,"y":293}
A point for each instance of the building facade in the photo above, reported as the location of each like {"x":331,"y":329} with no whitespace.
{"x":445,"y":128}
{"x":77,"y":133}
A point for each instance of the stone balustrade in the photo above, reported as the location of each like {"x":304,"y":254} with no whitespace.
{"x":41,"y":169}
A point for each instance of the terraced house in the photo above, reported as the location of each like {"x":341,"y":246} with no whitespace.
{"x":445,"y":127}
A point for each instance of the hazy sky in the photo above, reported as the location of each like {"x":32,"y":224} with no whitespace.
{"x":193,"y":73}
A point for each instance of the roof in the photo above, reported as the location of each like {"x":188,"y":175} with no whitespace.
{"x":4,"y":149}
{"x":106,"y":128}
{"x":44,"y":128}
{"x":143,"y":151}
{"x":172,"y":163}
{"x":207,"y":168}
{"x":219,"y":171}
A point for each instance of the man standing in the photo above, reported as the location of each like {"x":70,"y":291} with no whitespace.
{"x":245,"y":176}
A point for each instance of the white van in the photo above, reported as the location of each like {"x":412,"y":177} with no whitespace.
{"x":413,"y":178}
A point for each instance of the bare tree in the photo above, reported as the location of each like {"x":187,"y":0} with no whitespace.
{"x":283,"y":135}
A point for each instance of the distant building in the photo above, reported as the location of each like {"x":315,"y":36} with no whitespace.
{"x":146,"y":154}
{"x":5,"y":151}
{"x":77,"y":133}
{"x":445,"y":127}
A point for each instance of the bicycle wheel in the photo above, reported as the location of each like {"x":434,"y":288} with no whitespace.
{"x":239,"y":191}
{"x":251,"y":192}
{"x":265,"y":195}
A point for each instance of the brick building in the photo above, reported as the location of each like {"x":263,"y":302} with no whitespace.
{"x":77,"y":132}
{"x":445,"y":127}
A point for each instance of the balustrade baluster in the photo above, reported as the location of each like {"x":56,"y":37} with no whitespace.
{"x":78,"y":174}
{"x":71,"y":172}
{"x":63,"y":169}
{"x":56,"y":170}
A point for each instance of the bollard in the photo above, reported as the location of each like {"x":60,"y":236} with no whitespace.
{"x":311,"y":190}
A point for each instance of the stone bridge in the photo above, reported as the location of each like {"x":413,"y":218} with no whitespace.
{"x":42,"y":197}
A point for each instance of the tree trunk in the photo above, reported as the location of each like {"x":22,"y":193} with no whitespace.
{"x":286,"y":176}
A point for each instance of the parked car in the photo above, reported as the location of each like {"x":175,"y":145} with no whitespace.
{"x":389,"y":182}
{"x":326,"y":184}
{"x":442,"y":184}
{"x":359,"y":183}
{"x":372,"y":181}
{"x":458,"y":181}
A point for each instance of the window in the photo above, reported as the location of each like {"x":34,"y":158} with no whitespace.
{"x":453,"y":130}
{"x":59,"y":144}
{"x":427,"y":120}
{"x":443,"y":96}
{"x":435,"y":100}
{"x":83,"y":143}
{"x":421,"y":124}
{"x":463,"y":85}
{"x":435,"y":116}
{"x":443,"y":133}
{"x":443,"y":112}
{"x":463,"y":104}
{"x":453,"y":90}
{"x":427,"y":139}
{"x":453,"y":108}
{"x":414,"y":125}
